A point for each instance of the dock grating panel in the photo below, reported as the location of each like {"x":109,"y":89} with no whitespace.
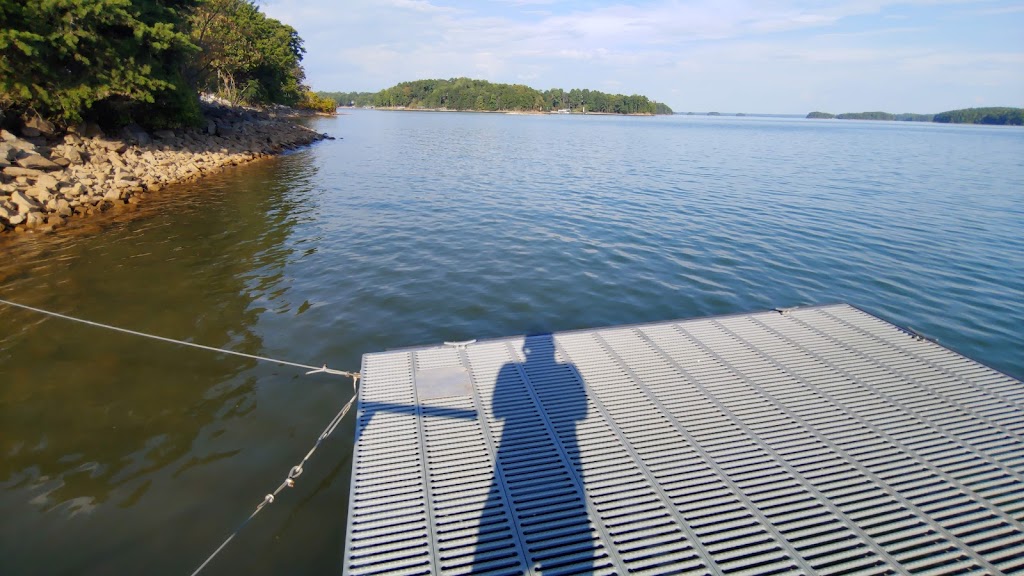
{"x":818,"y":440}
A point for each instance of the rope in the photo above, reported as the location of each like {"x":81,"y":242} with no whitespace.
{"x":296,"y":471}
{"x":289,"y":481}
{"x":311,"y":369}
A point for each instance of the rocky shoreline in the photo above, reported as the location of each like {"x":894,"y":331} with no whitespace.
{"x":47,"y":178}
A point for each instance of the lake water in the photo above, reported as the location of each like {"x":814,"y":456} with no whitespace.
{"x":122,"y":455}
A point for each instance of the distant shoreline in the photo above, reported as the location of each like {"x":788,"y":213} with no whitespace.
{"x":508,"y":112}
{"x":990,"y":116}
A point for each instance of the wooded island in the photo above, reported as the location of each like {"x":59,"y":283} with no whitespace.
{"x":994,"y":116}
{"x":480,"y":95}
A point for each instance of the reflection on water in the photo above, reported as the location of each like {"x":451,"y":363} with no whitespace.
{"x":98,"y":428}
{"x":135,"y":456}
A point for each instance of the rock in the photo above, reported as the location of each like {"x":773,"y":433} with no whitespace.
{"x":73,"y":156}
{"x":38,"y":125}
{"x":74,"y":190}
{"x":4,"y":163}
{"x":164,"y":134}
{"x":8,"y":151}
{"x":16,"y":219}
{"x":211,"y":127}
{"x":15,"y":171}
{"x":23,"y":202}
{"x":115,"y":146}
{"x":92,"y":130}
{"x":63,"y":207}
{"x":47,"y":181}
{"x":7,"y":136}
{"x":112,"y":195}
{"x":5,"y":213}
{"x":62,"y":162}
{"x":37,"y":162}
{"x":72,"y":139}
{"x":40,"y":194}
{"x":30,"y":132}
{"x":20,"y":148}
{"x":135,"y":133}
{"x":33,"y":219}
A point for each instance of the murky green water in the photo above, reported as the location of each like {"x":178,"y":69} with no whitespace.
{"x":123,"y":455}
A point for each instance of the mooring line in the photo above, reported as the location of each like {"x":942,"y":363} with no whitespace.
{"x":289,"y":481}
{"x":296,"y":471}
{"x":311,"y":369}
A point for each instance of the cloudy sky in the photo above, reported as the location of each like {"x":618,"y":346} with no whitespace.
{"x":776,"y":56}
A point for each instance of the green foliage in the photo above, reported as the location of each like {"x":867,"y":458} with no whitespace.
{"x":244,"y":55}
{"x":1001,"y":116}
{"x":908,"y":117}
{"x":359,"y":99}
{"x":314,"y":101}
{"x":867,"y":116}
{"x":58,"y":58}
{"x":821,"y":115}
{"x":468,"y":94}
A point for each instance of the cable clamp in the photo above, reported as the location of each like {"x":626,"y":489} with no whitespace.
{"x":460,"y":345}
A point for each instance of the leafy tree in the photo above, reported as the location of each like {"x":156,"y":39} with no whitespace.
{"x":350,"y":98}
{"x":468,"y":94}
{"x":313,"y":101}
{"x":867,"y":116}
{"x":59,"y":58}
{"x":1001,"y":116}
{"x":244,"y":55}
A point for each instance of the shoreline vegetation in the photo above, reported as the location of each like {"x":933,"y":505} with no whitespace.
{"x":100,"y":100}
{"x":991,"y":116}
{"x":469,"y":95}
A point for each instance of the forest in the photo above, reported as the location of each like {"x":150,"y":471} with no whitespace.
{"x":481,"y":95}
{"x":999,"y":116}
{"x":144,"y":61}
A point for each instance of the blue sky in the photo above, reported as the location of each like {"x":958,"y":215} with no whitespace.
{"x":776,"y":56}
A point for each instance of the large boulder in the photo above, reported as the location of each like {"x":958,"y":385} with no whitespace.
{"x":8,"y":151}
{"x":115,"y":146}
{"x":39,"y":126}
{"x":92,"y":130}
{"x":73,"y":155}
{"x":20,"y":148}
{"x":15,"y":171}
{"x":37,"y":162}
{"x":23,"y":202}
{"x":134,"y":133}
{"x":48,"y":182}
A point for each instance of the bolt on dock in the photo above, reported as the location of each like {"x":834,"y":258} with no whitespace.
{"x":817,"y":440}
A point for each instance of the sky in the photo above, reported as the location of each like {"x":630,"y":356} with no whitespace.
{"x":753,"y":56}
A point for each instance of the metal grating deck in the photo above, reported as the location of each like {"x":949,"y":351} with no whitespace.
{"x":819,"y":440}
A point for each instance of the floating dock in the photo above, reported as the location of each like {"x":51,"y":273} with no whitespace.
{"x":817,"y":440}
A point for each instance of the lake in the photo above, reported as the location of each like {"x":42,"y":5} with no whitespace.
{"x":124,"y":455}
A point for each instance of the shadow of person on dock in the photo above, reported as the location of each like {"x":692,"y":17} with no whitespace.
{"x":538,"y":478}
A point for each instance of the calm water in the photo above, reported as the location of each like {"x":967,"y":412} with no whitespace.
{"x":121,"y":455}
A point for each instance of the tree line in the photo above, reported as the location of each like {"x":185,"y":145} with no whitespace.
{"x":145,"y":61}
{"x":1000,"y":116}
{"x":481,"y":95}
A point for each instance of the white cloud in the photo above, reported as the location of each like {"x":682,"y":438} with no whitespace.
{"x":738,"y":54}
